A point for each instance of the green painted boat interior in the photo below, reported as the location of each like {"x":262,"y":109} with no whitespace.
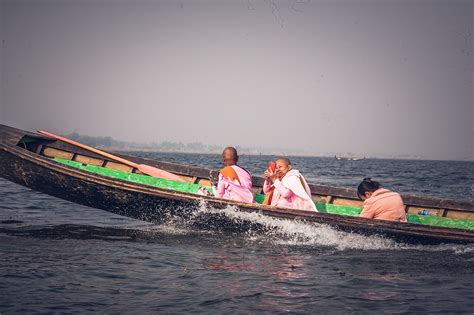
{"x":193,"y":188}
{"x":136,"y":178}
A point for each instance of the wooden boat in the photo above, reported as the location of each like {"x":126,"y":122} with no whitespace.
{"x":81,"y":176}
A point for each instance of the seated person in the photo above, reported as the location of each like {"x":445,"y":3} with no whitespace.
{"x":287,"y":188}
{"x":234,"y":182}
{"x":380,"y":203}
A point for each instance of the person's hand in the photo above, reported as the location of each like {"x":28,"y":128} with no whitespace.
{"x":266,"y":175}
{"x":270,"y":176}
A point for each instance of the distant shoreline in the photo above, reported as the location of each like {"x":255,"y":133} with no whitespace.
{"x":110,"y":144}
{"x":277,"y":155}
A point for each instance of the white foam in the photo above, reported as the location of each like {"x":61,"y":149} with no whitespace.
{"x":300,"y":233}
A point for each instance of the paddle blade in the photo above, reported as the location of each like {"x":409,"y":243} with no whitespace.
{"x":156,"y":172}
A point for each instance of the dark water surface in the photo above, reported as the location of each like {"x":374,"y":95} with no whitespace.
{"x":56,"y":256}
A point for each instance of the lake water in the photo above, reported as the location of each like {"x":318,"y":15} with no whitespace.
{"x":56,"y":256}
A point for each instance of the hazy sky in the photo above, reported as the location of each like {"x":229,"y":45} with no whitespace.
{"x":368,"y":77}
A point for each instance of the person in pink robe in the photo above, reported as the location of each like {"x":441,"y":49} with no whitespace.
{"x":290,"y":187}
{"x":233,"y":182}
{"x":380,"y":203}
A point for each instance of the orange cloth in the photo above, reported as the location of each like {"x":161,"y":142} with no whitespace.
{"x":268,"y":197}
{"x":384,"y":205}
{"x":229,"y":173}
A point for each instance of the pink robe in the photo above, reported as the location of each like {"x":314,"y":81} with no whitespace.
{"x":234,"y":190}
{"x":291,"y":192}
{"x":384,"y":205}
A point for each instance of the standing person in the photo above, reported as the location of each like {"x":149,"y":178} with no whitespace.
{"x":234,"y":182}
{"x":380,"y":203}
{"x":290,"y":189}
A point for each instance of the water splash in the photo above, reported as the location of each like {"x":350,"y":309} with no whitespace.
{"x":301,"y":233}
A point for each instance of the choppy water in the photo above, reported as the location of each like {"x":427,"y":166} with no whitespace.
{"x":56,"y":256}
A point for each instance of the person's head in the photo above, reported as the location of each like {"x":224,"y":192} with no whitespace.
{"x":366,"y":188}
{"x":283,"y":166}
{"x":230,"y":156}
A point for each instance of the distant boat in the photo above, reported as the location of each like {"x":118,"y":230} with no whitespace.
{"x":344,"y":158}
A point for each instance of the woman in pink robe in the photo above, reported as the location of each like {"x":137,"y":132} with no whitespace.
{"x":290,"y":187}
{"x":380,"y":203}
{"x":238,"y":190}
{"x":234,"y":182}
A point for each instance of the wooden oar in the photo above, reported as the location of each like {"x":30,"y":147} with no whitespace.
{"x":146,"y":169}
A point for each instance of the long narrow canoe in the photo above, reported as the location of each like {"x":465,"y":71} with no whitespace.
{"x":81,"y":176}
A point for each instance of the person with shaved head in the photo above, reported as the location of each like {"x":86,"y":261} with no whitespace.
{"x":287,"y":188}
{"x":234,"y":182}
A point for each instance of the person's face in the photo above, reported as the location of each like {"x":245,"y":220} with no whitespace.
{"x":228,"y":158}
{"x":282,"y":168}
{"x":365,"y":196}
